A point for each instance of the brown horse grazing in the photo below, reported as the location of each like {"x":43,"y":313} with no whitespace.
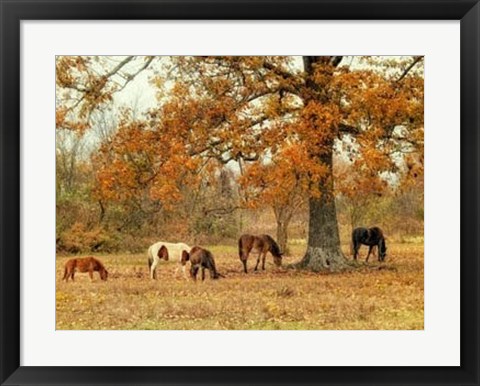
{"x":261,"y":244}
{"x":373,"y":237}
{"x":84,"y":264}
{"x":200,"y":258}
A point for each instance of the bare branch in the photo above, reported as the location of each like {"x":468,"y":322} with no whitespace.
{"x":130,"y":77}
{"x":295,"y":82}
{"x":416,"y":60}
{"x":348,"y":129}
{"x":118,"y":67}
{"x":335,"y":60}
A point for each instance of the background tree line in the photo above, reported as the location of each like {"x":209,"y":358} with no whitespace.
{"x":218,"y":210}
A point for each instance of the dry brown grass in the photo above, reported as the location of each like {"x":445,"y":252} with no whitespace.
{"x":388,"y":296}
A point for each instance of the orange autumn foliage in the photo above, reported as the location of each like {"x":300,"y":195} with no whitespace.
{"x":142,"y":160}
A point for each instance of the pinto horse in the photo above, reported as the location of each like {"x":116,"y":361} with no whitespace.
{"x":166,"y":251}
{"x":84,"y":264}
{"x":371,"y":237}
{"x":200,"y":258}
{"x":261,"y":244}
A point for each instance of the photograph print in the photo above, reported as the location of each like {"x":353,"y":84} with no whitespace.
{"x":239,"y":193}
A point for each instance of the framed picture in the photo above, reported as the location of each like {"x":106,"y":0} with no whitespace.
{"x":239,"y":193}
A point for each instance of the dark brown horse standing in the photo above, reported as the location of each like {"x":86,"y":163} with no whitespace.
{"x":261,"y":244}
{"x":200,"y":258}
{"x":373,"y":237}
{"x":84,"y":264}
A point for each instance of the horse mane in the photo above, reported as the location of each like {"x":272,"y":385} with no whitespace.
{"x":377,"y":232}
{"x":99,"y":263}
{"x":194,"y":249}
{"x":274,"y":248}
{"x":89,"y":259}
{"x":381,"y":239}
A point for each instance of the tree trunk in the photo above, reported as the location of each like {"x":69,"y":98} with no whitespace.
{"x":323,"y":247}
{"x":282,"y":235}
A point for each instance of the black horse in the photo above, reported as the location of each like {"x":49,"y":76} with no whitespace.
{"x":371,"y":237}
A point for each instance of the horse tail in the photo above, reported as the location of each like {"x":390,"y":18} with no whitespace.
{"x":240,"y":247}
{"x":274,"y":248}
{"x":353,"y":240}
{"x":150,"y":258}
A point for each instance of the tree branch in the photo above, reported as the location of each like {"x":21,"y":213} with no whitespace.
{"x":416,"y":60}
{"x":335,"y":60}
{"x":130,"y":77}
{"x":294,"y":88}
{"x":348,"y":129}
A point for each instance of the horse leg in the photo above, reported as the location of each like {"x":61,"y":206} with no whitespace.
{"x":355,"y":251}
{"x":258,"y":260}
{"x":90,"y":273}
{"x":203,"y":273}
{"x":72,"y":275}
{"x":244,"y":265}
{"x":369,"y":250}
{"x":153,"y":269}
{"x":264,"y":256}
{"x":193,"y":272}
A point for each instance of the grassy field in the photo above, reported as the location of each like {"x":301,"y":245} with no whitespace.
{"x":386,"y":297}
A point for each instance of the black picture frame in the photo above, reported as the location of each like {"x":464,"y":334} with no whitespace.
{"x":13,"y":12}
